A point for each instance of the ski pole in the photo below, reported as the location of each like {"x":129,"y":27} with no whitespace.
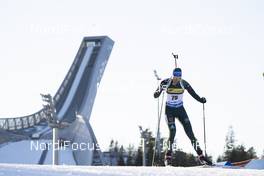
{"x":158,"y":79}
{"x":158,"y":127}
{"x":157,"y":140}
{"x":204,"y":130}
{"x":175,"y":57}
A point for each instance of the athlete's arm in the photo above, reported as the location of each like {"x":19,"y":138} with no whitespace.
{"x":189,"y":88}
{"x":160,"y":88}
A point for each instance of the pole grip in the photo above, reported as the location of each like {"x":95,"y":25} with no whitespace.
{"x":175,"y":56}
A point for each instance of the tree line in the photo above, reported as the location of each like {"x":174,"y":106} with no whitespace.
{"x":236,"y":152}
{"x":117,"y":155}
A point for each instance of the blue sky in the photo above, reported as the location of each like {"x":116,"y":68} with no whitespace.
{"x":220,"y":47}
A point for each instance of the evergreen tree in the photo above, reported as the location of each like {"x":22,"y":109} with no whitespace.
{"x":262,"y":157}
{"x":131,"y":156}
{"x":183,"y":159}
{"x":235,"y":153}
{"x":230,"y":144}
{"x":230,"y":139}
{"x":120,"y":161}
{"x":116,"y":148}
{"x":111,"y":152}
{"x":238,"y":154}
{"x":159,"y":157}
{"x":220,"y":159}
{"x":251,"y":153}
{"x":149,"y":145}
{"x":150,"y":150}
{"x":139,"y":156}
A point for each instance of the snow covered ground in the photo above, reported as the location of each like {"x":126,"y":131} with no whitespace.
{"x":48,"y":170}
{"x":17,"y":160}
{"x":21,"y":153}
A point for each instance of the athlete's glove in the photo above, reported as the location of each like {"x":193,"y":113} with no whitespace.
{"x":203,"y":100}
{"x":157,"y":94}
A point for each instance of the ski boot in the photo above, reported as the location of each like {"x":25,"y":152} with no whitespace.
{"x":204,"y":160}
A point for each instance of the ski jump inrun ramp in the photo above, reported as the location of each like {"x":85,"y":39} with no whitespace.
{"x":73,"y":103}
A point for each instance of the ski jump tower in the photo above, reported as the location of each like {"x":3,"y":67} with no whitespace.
{"x":73,"y":102}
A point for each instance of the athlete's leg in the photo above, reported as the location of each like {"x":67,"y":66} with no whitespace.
{"x":170,"y":118}
{"x":184,"y":119}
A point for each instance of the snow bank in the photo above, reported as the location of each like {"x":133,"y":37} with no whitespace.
{"x":255,"y":164}
{"x":45,"y":170}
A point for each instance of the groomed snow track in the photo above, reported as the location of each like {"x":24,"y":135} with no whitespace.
{"x":36,"y":170}
{"x":73,"y":102}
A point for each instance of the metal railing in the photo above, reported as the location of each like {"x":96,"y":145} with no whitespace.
{"x":17,"y":123}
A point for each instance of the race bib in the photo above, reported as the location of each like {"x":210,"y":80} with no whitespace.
{"x":174,"y":99}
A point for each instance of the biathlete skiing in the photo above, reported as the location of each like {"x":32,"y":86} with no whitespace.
{"x":175,"y":88}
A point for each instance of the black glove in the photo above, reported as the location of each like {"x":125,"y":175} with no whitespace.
{"x":203,"y":100}
{"x":157,"y":94}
